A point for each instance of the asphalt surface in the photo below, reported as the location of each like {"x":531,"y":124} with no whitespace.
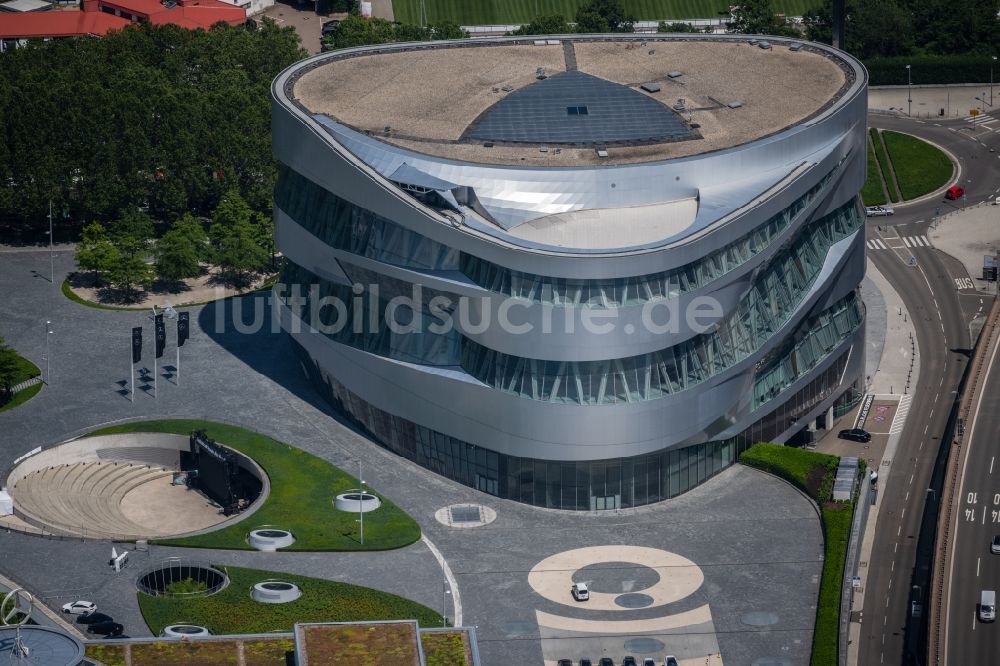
{"x":974,"y":568}
{"x":929,"y":283}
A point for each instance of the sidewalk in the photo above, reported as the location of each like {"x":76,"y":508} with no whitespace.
{"x":967,"y":235}
{"x":928,"y":101}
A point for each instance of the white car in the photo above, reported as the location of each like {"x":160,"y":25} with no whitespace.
{"x":580,"y":591}
{"x":79,"y":607}
{"x":878,"y":211}
{"x":995,"y":545}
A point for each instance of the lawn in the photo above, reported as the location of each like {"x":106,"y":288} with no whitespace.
{"x":872,"y":193}
{"x":814,"y":473}
{"x":920,"y":167}
{"x":256,"y":652}
{"x":25,"y":370}
{"x":883,"y":162}
{"x":232,"y":611}
{"x":301,"y":500}
{"x":507,"y":12}
{"x":110,"y":655}
{"x":362,"y":645}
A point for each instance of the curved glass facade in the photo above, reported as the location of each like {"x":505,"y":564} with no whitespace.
{"x":340,"y":224}
{"x":641,"y":288}
{"x":774,"y":297}
{"x":592,"y":485}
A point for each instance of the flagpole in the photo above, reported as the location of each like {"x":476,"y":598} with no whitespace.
{"x":131,"y":369}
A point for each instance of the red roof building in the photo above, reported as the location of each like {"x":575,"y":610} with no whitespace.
{"x":101,"y":16}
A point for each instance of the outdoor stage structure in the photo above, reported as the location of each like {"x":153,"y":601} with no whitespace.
{"x":540,"y":185}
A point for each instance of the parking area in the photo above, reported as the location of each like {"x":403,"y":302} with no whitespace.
{"x":306,"y":22}
{"x":728,"y":572}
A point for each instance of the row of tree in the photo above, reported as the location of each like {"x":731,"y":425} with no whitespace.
{"x":358,"y":31}
{"x":152,"y":116}
{"x":123,"y":255}
{"x":11,"y":372}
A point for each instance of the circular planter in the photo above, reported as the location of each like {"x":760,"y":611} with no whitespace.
{"x":156,"y":580}
{"x":275,"y":592}
{"x":184,"y":631}
{"x":270,"y":539}
{"x":357,"y":501}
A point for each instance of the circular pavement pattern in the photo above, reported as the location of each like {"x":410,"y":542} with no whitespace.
{"x":644,"y":645}
{"x":553,"y":577}
{"x":759,"y":619}
{"x":617,"y":577}
{"x":634,"y":600}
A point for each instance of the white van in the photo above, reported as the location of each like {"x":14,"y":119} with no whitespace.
{"x":987,"y":605}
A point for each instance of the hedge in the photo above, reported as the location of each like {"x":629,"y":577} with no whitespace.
{"x":929,"y":70}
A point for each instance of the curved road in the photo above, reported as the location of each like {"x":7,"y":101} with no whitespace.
{"x":939,"y":311}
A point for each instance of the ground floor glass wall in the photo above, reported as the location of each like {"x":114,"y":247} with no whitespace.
{"x":590,"y":485}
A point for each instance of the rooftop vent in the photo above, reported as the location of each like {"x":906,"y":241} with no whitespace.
{"x":735,"y":104}
{"x":676,"y":73}
{"x":795,"y":46}
{"x":577,"y":110}
{"x":764,"y":45}
{"x":650,"y":87}
{"x":508,"y":88}
{"x":540,"y":73}
{"x":753,"y":42}
{"x":539,"y":42}
{"x":601,"y":152}
{"x":552,"y":42}
{"x":679,"y":106}
{"x":652,"y":51}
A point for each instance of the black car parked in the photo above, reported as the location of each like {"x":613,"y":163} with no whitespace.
{"x":93,"y":618}
{"x":106,"y":628}
{"x":856,"y":435}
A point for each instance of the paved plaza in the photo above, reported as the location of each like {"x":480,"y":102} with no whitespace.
{"x":732,"y":566}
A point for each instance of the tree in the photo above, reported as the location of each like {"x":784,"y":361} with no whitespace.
{"x":131,"y":234}
{"x":239,"y":254}
{"x":603,"y":16}
{"x":356,"y":30}
{"x":10,"y":368}
{"x":447,"y":30}
{"x":130,"y":273}
{"x":549,"y":24}
{"x":752,"y":17}
{"x":872,"y":28}
{"x":231,"y":211}
{"x":95,"y":252}
{"x":191,"y":228}
{"x":176,"y":257}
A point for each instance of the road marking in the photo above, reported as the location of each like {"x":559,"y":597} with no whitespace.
{"x":899,"y":530}
{"x":911,"y":479}
{"x":906,"y":241}
{"x":977,"y":566}
{"x":903,"y":513}
{"x":896,"y":547}
{"x":992,"y":460}
{"x":450,"y":577}
{"x":907,"y":498}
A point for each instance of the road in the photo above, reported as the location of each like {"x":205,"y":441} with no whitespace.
{"x":940,"y":312}
{"x":973,"y":567}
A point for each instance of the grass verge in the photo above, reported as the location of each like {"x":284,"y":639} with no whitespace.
{"x":443,"y":648}
{"x":25,"y":370}
{"x":232,"y":611}
{"x":883,"y":163}
{"x":920,"y":167}
{"x":504,"y":12}
{"x":109,"y":655}
{"x":301,"y":499}
{"x":872,"y":193}
{"x":813,"y":473}
{"x":21,"y":397}
{"x":68,"y":292}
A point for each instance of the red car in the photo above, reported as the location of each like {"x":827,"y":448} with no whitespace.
{"x":954,"y":192}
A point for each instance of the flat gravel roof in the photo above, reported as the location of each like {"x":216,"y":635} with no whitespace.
{"x":494,"y":101}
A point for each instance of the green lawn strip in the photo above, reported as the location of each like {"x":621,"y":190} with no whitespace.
{"x":109,"y":655}
{"x":443,"y":648}
{"x":507,"y":12}
{"x":189,"y":653}
{"x":21,"y":397}
{"x":920,"y":167}
{"x":232,"y":611}
{"x":814,"y":473}
{"x":301,"y":500}
{"x":267,"y":652}
{"x":68,"y":292}
{"x":872,"y":193}
{"x":884,"y":164}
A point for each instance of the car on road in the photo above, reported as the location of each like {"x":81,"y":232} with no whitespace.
{"x":916,"y":610}
{"x":106,"y":629}
{"x":586,"y":662}
{"x":648,"y":661}
{"x":855,"y":435}
{"x":879,"y":211}
{"x":670,"y":660}
{"x":954,"y":192}
{"x":564,"y":662}
{"x":995,"y":545}
{"x":987,"y":605}
{"x":629,"y":660}
{"x":580,"y":591}
{"x":605,"y":661}
{"x":79,"y":607}
{"x":330,"y":27}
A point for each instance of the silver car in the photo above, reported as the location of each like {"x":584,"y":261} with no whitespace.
{"x":878,"y":211}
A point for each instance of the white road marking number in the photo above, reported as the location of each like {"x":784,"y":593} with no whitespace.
{"x":964,"y":283}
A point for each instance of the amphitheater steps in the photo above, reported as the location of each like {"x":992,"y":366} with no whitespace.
{"x":153,"y":456}
{"x":84,"y":498}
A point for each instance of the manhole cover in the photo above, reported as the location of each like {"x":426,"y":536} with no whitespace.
{"x":465,"y":514}
{"x":759,"y":619}
{"x":644,"y":646}
{"x":633,"y":600}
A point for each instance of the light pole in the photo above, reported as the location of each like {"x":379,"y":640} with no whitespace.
{"x":48,"y":367}
{"x":52,"y":261}
{"x":993,"y":60}
{"x":361,"y":503}
{"x":444,"y":602}
{"x":909,"y":93}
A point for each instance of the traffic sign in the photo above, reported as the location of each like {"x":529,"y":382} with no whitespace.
{"x":973,"y":112}
{"x":912,"y":261}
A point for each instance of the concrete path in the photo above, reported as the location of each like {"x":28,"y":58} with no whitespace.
{"x":928,"y":101}
{"x":968,"y":234}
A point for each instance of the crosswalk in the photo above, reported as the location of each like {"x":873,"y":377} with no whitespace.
{"x":983,"y":121}
{"x":901,"y":411}
{"x":893,"y":243}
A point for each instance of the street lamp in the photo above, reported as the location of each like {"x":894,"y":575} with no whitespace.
{"x":909,"y":94}
{"x":444,"y":602}
{"x":48,"y":332}
{"x":991,"y":79}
